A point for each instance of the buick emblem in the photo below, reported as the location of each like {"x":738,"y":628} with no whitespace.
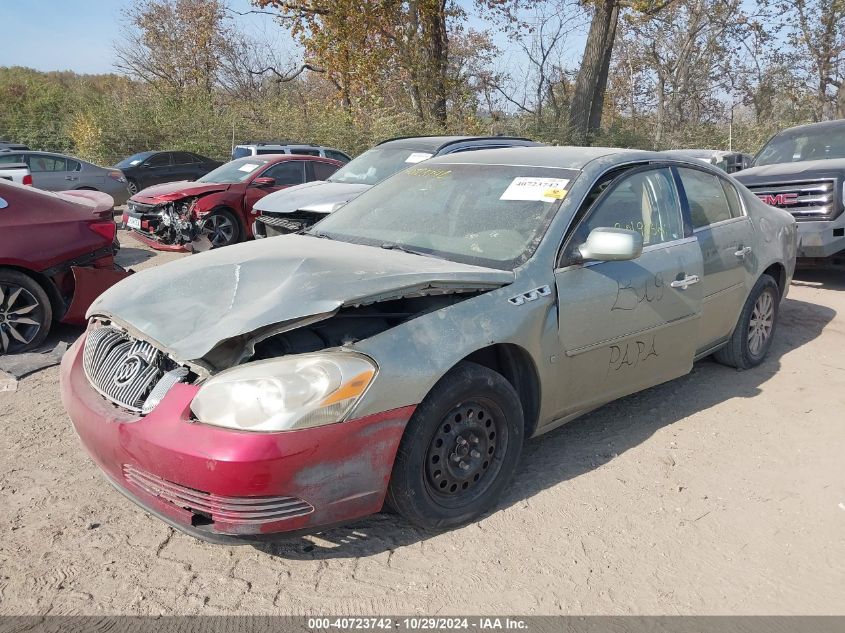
{"x":127,"y":371}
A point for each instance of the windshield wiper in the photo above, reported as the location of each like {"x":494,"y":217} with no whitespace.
{"x":391,"y":246}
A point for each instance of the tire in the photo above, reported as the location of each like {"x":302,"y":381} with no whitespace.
{"x":459,"y":450}
{"x":25,"y":312}
{"x":752,"y":336}
{"x":222,"y":228}
{"x":132,"y":186}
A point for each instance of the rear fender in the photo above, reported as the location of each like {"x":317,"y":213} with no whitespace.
{"x":89,"y":283}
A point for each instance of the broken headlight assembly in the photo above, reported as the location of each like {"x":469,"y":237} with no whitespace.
{"x":289,"y":393}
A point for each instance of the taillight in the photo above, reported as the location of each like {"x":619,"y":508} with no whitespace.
{"x":117,"y":175}
{"x":107,"y":229}
{"x":27,"y":180}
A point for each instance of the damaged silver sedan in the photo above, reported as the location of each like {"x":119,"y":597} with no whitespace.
{"x":400,"y":351}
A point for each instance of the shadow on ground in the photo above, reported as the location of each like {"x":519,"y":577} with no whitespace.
{"x":828,"y":278}
{"x":129,"y":255}
{"x":586,"y":443}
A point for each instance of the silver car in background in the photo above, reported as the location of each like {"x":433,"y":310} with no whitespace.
{"x":57,"y":172}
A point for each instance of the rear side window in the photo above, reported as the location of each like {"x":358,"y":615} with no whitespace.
{"x":707,"y":200}
{"x":183,"y":158}
{"x":73,"y":165}
{"x":261,"y":152}
{"x":241,"y":152}
{"x":42,"y":163}
{"x":733,"y":199}
{"x":290,"y":172}
{"x":11,"y":158}
{"x":323,"y":170}
{"x":305,"y":152}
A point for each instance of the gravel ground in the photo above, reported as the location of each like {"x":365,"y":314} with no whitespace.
{"x":718,"y":493}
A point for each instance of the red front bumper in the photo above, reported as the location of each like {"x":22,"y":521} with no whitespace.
{"x":217,"y":484}
{"x":177,"y":248}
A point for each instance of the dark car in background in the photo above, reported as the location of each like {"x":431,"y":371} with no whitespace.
{"x":219,"y":204}
{"x":299,"y":207}
{"x":56,"y":256}
{"x":11,"y":145}
{"x":802,"y":170}
{"x":145,"y":169}
{"x":58,"y":172}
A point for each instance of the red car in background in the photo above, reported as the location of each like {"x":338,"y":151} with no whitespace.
{"x":218,"y":205}
{"x":56,"y":256}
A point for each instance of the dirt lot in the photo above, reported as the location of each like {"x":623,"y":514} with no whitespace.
{"x":721,"y":492}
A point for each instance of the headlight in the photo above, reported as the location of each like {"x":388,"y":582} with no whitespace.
{"x":284,"y":394}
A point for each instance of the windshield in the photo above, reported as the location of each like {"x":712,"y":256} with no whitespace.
{"x":487,"y":215}
{"x":376,"y":164}
{"x":235,"y":171}
{"x":135,"y":159}
{"x":791,"y":147}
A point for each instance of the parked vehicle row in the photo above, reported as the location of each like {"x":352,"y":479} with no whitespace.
{"x":220,"y":203}
{"x":259,"y":148}
{"x":401,"y":350}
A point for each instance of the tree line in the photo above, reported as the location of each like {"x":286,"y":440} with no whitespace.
{"x":645,"y":73}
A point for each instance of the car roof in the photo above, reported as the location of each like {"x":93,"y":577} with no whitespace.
{"x":822,"y":126}
{"x":285,"y":157}
{"x":435,"y":144}
{"x":564,"y":157}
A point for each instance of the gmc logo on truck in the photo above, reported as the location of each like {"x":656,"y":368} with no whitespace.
{"x":779,"y":200}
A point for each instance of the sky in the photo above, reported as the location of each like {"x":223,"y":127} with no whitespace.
{"x":78,"y":35}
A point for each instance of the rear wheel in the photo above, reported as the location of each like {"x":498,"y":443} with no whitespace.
{"x":25,"y":312}
{"x":221,"y":228}
{"x":755,"y":329}
{"x":132,"y":186}
{"x":460,"y":449}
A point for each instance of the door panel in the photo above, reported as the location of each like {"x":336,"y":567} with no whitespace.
{"x":724,"y":255}
{"x":623,"y":327}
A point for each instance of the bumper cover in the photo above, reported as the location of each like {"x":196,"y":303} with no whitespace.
{"x":341,"y":470}
{"x":821,"y":238}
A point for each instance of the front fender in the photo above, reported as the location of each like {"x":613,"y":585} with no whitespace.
{"x":211,"y":202}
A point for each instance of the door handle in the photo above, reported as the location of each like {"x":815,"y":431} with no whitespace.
{"x":686,"y":282}
{"x":71,"y":178}
{"x":742,"y":252}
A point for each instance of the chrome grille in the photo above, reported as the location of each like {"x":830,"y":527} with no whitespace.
{"x":807,"y":200}
{"x":295,"y":221}
{"x":240,"y":510}
{"x":125,"y":370}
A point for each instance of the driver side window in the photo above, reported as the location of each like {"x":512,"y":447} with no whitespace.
{"x":645,"y":201}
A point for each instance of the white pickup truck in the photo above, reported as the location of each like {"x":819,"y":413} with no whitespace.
{"x":16,"y":172}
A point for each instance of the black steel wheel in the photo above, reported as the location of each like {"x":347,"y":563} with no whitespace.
{"x":460,"y":449}
{"x":25,"y":312}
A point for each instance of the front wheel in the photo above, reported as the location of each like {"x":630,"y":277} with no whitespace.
{"x":221,"y":228}
{"x":460,"y":449}
{"x":755,"y":329}
{"x":25,"y":313}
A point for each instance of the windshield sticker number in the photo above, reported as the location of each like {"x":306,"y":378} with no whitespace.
{"x":418,"y":157}
{"x":536,"y":189}
{"x":428,"y":173}
{"x":248,"y":167}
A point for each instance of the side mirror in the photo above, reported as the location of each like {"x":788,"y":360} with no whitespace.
{"x":610,"y":244}
{"x":263,"y":181}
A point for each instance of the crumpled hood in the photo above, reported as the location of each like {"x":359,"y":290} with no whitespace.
{"x":175,"y":190}
{"x":319,"y":196}
{"x":792,"y":171}
{"x":189,"y":306}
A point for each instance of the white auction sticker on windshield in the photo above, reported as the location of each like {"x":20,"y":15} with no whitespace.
{"x":536,"y":189}
{"x":417,"y":157}
{"x":248,"y":167}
